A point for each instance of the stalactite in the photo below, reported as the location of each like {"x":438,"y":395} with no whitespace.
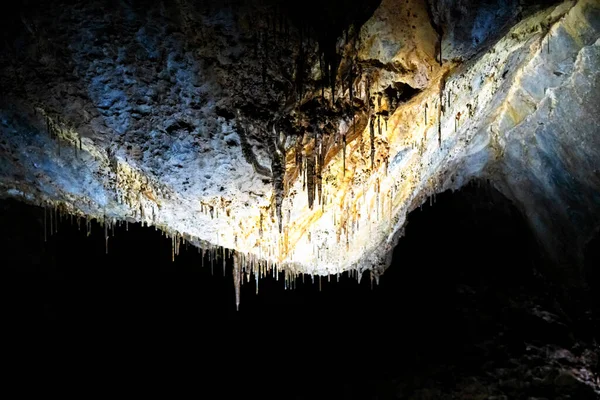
{"x":298,"y":153}
{"x":172,"y":249}
{"x":278,"y":171}
{"x":237,"y":280}
{"x":343,"y":83}
{"x":368,"y":94}
{"x":322,"y":78}
{"x":303,"y":171}
{"x":377,"y":196}
{"x":441,"y":35}
{"x":346,"y":230}
{"x":372,"y":131}
{"x":319,"y":167}
{"x":260,"y":226}
{"x":390,"y":201}
{"x":332,"y":77}
{"x":45,"y":235}
{"x":106,"y":234}
{"x":441,"y":109}
{"x":457,"y":121}
{"x":224,"y":260}
{"x":256,"y":278}
{"x":344,"y":150}
{"x":310,"y":179}
{"x":51,"y":223}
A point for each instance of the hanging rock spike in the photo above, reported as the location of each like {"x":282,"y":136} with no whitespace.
{"x":372,"y":132}
{"x":310,"y":177}
{"x":344,"y":150}
{"x":45,"y":238}
{"x":106,"y":234}
{"x":236,"y":280}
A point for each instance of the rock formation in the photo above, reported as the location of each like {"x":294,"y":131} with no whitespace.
{"x":301,"y":136}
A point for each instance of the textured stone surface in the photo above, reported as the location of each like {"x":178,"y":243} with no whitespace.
{"x":223,"y":124}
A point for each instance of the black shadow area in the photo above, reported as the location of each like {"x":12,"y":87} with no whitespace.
{"x":460,"y":282}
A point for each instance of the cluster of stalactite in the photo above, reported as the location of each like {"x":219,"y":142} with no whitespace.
{"x":134,"y":189}
{"x":313,"y":43}
{"x":310,"y":121}
{"x":317,"y":141}
{"x":216,"y":206}
{"x":315,"y":147}
{"x":312,"y":165}
{"x":245,"y":265}
{"x":60,"y":130}
{"x":54,"y":214}
{"x":313,"y":150}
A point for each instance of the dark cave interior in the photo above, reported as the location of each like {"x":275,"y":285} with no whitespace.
{"x":470,"y":307}
{"x":466,"y":296}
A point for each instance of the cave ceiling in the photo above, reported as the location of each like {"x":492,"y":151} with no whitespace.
{"x":301,"y":134}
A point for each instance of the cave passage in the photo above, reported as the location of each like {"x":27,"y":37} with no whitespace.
{"x":456,"y":304}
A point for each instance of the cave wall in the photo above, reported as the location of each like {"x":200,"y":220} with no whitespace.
{"x":536,"y":138}
{"x":551,"y":135}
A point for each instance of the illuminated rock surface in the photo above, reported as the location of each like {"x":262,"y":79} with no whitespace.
{"x":296,"y":145}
